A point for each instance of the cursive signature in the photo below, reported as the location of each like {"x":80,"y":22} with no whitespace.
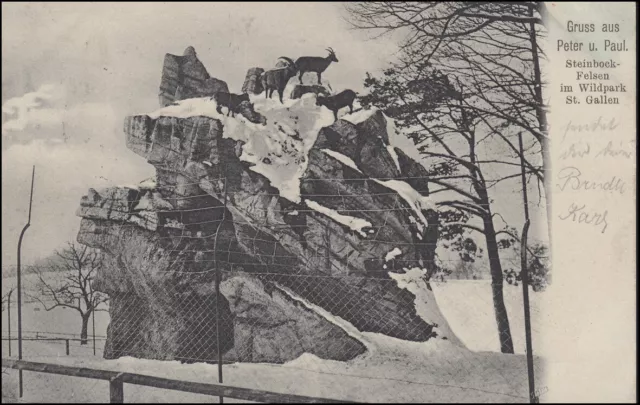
{"x":597,"y":125}
{"x":570,"y":178}
{"x":577,"y":213}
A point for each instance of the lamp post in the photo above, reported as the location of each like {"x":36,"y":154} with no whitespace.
{"x":9,"y":318}
{"x":33,"y":172}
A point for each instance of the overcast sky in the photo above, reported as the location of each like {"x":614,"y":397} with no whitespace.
{"x":80,"y":68}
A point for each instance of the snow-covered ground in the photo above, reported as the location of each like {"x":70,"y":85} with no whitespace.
{"x":397,"y":372}
{"x":392,"y":370}
{"x":468,"y":306}
{"x":37,"y":323}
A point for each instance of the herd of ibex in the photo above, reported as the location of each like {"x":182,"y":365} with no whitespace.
{"x":278,"y":78}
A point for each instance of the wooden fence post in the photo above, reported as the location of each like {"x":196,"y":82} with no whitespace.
{"x":116,"y":390}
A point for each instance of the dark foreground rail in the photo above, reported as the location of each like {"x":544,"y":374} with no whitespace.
{"x":117,"y":379}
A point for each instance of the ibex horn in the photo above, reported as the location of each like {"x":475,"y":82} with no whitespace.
{"x":288,"y":60}
{"x":330,"y":50}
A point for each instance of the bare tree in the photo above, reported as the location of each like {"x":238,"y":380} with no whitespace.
{"x":430,"y":107}
{"x":67,"y":283}
{"x":6,"y":297}
{"x":491,"y":47}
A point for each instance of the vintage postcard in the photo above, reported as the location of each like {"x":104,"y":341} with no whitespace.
{"x":319,"y":202}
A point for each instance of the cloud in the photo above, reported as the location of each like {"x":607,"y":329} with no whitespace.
{"x":30,"y":108}
{"x":48,"y":114}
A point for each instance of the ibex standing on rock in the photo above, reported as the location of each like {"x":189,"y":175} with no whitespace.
{"x":315,"y":64}
{"x":229,"y":100}
{"x":335,"y":103}
{"x":277,"y":79}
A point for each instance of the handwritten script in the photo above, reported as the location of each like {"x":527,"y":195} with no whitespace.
{"x":590,"y":169}
{"x":581,"y":215}
{"x":582,"y":149}
{"x":571,"y":178}
{"x":598,"y":125}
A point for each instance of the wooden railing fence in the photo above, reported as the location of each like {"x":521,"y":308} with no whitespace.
{"x":118,"y":379}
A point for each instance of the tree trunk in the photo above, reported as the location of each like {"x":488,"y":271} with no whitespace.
{"x":541,"y":115}
{"x":504,"y":331}
{"x":85,"y":327}
{"x":546,"y":165}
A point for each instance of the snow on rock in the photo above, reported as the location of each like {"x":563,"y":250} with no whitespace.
{"x":363,"y":115}
{"x":377,"y":344}
{"x":416,"y":201}
{"x":414,"y":281}
{"x":392,"y":255}
{"x":279,"y":150}
{"x":336,"y":320}
{"x":360,"y":116}
{"x":397,"y":139}
{"x":144,"y":203}
{"x":149,"y":183}
{"x":419,"y":225}
{"x":392,"y":151}
{"x":152,"y":201}
{"x":353,"y":223}
{"x":342,"y":158}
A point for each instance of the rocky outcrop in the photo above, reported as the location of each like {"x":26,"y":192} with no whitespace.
{"x":246,"y":110}
{"x":186,"y":77}
{"x":270,"y":327}
{"x":209,"y":214}
{"x":413,"y":172}
{"x":252,"y":83}
{"x":299,"y":90}
{"x":365,"y":143}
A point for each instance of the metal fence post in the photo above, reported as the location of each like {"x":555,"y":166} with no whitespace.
{"x":116,"y":390}
{"x":93,"y":316}
{"x":328,"y":247}
{"x":525,"y":280}
{"x":218,"y":280}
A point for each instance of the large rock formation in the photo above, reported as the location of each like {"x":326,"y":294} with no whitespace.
{"x":283,"y":263}
{"x":186,"y":77}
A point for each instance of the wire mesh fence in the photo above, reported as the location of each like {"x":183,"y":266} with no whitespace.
{"x":208,"y":282}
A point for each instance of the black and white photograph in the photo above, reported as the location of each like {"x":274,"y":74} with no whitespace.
{"x":317,"y":202}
